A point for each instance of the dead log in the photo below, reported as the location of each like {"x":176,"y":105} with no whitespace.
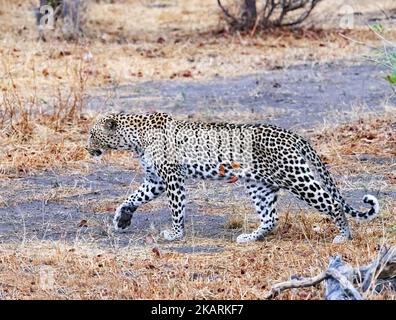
{"x":382,"y":272}
{"x":338,"y":281}
{"x":343,"y":282}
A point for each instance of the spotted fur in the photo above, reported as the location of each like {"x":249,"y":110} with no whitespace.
{"x":266,"y":157}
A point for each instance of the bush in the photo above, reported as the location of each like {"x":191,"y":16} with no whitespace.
{"x":386,"y":55}
{"x":273,"y":13}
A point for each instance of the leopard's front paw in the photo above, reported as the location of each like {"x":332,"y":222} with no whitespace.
{"x":123,"y":216}
{"x":246,"y":237}
{"x":172,"y":235}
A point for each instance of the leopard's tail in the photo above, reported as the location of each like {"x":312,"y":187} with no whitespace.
{"x":329,"y":184}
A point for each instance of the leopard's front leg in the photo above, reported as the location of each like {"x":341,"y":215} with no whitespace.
{"x":151,"y":188}
{"x":177,"y":202}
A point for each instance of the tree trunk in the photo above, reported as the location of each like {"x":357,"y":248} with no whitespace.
{"x":248,"y":13}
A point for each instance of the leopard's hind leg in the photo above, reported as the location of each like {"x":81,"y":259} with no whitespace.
{"x":264,"y":197}
{"x":301,"y":182}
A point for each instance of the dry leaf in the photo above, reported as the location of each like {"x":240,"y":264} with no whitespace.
{"x":157,"y":252}
{"x":187,"y":74}
{"x":83,"y":223}
{"x":45,"y":72}
{"x":160,"y":40}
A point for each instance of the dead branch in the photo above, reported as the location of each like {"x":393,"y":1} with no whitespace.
{"x":348,"y":291}
{"x":303,"y":16}
{"x":227,"y":13}
{"x":339,"y":278}
{"x":382,"y":269}
{"x":338,"y":284}
{"x":307,"y":282}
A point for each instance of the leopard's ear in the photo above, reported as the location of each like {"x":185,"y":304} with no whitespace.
{"x":110,"y":124}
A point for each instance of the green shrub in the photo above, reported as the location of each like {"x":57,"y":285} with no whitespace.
{"x":386,"y":55}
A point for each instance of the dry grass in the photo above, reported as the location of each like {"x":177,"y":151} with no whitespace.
{"x":300,"y":245}
{"x":365,"y":146}
{"x":83,"y":271}
{"x":43,"y":127}
{"x":44,"y":84}
{"x":160,"y":45}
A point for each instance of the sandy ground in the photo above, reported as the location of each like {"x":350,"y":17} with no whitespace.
{"x":52,"y":205}
{"x":56,"y":205}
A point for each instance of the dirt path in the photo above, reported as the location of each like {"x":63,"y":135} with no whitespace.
{"x":301,"y":97}
{"x":53,"y":206}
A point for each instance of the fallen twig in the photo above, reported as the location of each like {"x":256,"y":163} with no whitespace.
{"x":295,"y":283}
{"x":339,"y":278}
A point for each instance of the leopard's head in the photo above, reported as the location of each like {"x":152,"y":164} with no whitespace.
{"x":112,"y":131}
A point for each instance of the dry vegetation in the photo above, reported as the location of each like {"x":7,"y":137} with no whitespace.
{"x":239,"y":272}
{"x":367,"y":145}
{"x":43,"y":85}
{"x":43,"y":126}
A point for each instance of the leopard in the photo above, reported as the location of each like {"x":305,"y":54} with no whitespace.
{"x":264,"y":157}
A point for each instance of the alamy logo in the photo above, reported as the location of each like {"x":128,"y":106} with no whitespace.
{"x":46,"y":278}
{"x":206,"y":144}
{"x":46,"y":17}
